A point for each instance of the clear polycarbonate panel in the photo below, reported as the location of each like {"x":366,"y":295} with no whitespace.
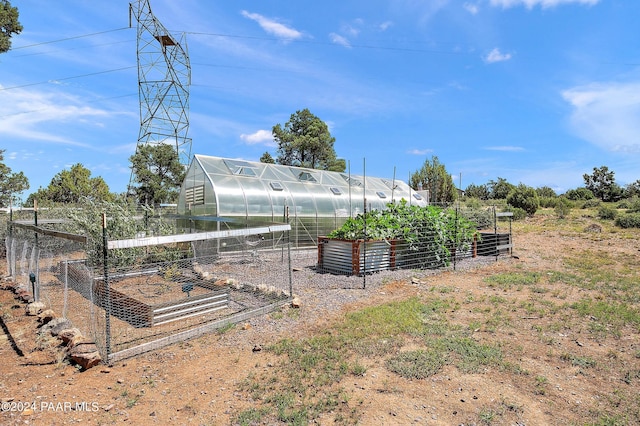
{"x":230,"y":196}
{"x":257,"y":197}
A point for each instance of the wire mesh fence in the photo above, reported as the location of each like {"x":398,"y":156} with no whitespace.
{"x":218,"y":278}
{"x":38,"y":259}
{"x":135,"y":295}
{"x":166,"y":284}
{"x":428,"y":244}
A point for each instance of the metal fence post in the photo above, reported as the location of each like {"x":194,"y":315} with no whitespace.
{"x":36,"y":280}
{"x":364,"y":247}
{"x":105,"y":259}
{"x":455,"y":239}
{"x":10,"y":256}
{"x":289,"y":266}
{"x":66,"y":288}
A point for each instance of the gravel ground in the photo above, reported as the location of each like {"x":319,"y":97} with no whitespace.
{"x":323,"y":295}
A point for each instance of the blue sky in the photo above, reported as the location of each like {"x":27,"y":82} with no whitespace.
{"x":533,"y":91}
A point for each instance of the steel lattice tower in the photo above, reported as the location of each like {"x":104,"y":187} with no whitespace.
{"x":164,"y":76}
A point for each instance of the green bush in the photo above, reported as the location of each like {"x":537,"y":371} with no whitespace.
{"x":549,"y":202}
{"x":482,"y":218}
{"x":634,"y":205}
{"x":629,"y":220}
{"x":579,"y":194}
{"x":623,"y":204}
{"x":606,"y":212}
{"x":518,"y":213}
{"x":592,"y":203}
{"x":473,"y":203}
{"x":563,"y":207}
{"x":525,"y":198}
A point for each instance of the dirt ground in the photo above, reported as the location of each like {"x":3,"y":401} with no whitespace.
{"x":198,"y":382}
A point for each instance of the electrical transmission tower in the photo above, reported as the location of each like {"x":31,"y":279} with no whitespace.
{"x":164,"y":76}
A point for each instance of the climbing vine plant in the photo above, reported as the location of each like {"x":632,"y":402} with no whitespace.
{"x":432,"y":231}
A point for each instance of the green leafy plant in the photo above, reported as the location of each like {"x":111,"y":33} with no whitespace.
{"x":429,"y":229}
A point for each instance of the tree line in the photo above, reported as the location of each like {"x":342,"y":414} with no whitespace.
{"x":303,"y":141}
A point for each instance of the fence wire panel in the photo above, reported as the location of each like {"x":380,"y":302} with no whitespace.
{"x":41,"y":263}
{"x":190,"y":288}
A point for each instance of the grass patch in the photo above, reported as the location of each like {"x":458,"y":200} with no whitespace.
{"x":418,"y":364}
{"x":225,"y":328}
{"x":306,"y":383}
{"x":251,"y":416}
{"x":608,"y":317}
{"x":470,"y":356}
{"x":614,"y":275}
{"x":506,"y":281}
{"x":579,"y":361}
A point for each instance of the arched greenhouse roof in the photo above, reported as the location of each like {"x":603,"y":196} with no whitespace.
{"x":226,"y":187}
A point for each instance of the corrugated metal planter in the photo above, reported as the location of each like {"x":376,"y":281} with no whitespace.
{"x":356,"y":257}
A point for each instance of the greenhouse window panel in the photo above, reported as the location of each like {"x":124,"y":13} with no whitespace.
{"x":276,"y":186}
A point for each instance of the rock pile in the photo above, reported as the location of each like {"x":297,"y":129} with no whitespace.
{"x":79,"y":349}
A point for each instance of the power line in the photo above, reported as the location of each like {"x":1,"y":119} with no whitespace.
{"x":88,"y":102}
{"x":359,"y":46}
{"x":67,"y":78}
{"x":72,"y":48}
{"x":69,"y":38}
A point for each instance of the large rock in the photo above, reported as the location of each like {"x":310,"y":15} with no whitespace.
{"x":34,"y":308}
{"x":62,"y":325}
{"x":70,"y":334}
{"x":46,"y":316}
{"x":24,"y":296}
{"x":84,"y":353}
{"x":57,"y":323}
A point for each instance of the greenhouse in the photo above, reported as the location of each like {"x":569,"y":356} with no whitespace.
{"x":222,"y":193}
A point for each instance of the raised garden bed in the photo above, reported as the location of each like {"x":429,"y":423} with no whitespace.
{"x":356,"y":257}
{"x":147,"y":299}
{"x":493,"y":244}
{"x":165,"y":301}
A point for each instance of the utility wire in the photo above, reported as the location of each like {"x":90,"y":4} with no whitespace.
{"x":48,"y":52}
{"x":88,"y":102}
{"x":67,"y":78}
{"x":360,"y":46}
{"x":70,"y":38}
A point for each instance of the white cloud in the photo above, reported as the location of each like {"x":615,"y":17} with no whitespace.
{"x":273,"y":27}
{"x":606,"y":114}
{"x":496,"y":56}
{"x":385,"y":25}
{"x":351,"y":30}
{"x":530,"y":4}
{"x":471,"y":8}
{"x":37,"y":110}
{"x":419,"y":151}
{"x":505,"y":148}
{"x":338,"y":39}
{"x":261,"y":137}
